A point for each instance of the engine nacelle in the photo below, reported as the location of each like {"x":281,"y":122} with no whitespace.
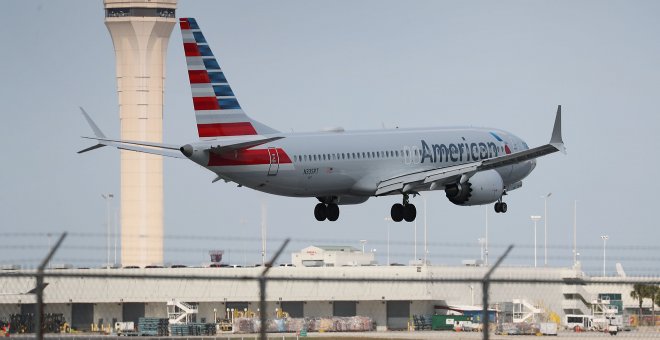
{"x":482,"y":188}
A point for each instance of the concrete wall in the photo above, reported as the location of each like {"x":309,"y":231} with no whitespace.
{"x":421,"y":307}
{"x":155,"y":310}
{"x":107,"y":312}
{"x":374,"y":309}
{"x":315,"y":309}
{"x":7,"y":309}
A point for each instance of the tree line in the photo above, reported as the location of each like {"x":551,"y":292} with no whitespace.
{"x":645,"y":291}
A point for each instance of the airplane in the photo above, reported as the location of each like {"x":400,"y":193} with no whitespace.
{"x":473,"y":166}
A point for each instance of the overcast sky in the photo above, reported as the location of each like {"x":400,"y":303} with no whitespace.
{"x":303,"y":66}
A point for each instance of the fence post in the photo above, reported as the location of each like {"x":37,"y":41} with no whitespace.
{"x":485,"y":284}
{"x":262,"y":290}
{"x":39,"y":290}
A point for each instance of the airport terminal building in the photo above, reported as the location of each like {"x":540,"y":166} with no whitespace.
{"x":387,"y":294}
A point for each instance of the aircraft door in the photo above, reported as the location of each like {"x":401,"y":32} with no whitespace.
{"x":274,"y":161}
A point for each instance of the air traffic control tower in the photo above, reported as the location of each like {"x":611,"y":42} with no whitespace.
{"x":140,"y":31}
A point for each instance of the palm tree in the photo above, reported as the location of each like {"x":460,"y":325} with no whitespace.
{"x":653,"y":293}
{"x":639,"y":293}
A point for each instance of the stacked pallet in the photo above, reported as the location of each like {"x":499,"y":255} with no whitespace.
{"x":328,"y":324}
{"x":153,"y":326}
{"x":192,"y":329}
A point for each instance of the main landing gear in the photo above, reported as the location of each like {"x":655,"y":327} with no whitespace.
{"x":405,"y":211}
{"x":324,"y":211}
{"x":500,"y":207}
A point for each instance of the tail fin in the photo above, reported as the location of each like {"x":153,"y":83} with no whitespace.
{"x":217,"y":110}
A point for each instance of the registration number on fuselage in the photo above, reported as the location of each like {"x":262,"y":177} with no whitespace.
{"x":312,"y":171}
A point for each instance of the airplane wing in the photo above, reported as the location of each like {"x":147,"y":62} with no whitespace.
{"x":436,"y":178}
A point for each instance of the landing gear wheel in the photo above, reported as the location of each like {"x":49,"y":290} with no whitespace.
{"x":332,"y":212}
{"x":397,"y":212}
{"x":409,"y":212}
{"x":320,"y":212}
{"x":500,"y":207}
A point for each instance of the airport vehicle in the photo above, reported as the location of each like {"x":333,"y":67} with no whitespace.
{"x":474,"y":166}
{"x":578,"y":322}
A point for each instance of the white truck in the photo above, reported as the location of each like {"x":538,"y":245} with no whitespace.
{"x":125,"y":328}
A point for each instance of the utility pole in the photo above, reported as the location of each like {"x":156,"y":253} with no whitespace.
{"x":604,"y":238}
{"x":535,"y":218}
{"x":545,"y":228}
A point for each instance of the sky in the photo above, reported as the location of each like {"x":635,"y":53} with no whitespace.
{"x":305,"y":66}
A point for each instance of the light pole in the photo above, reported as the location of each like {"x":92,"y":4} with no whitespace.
{"x":426,"y":249}
{"x":107,"y":199}
{"x":264,"y":231}
{"x":363,"y":242}
{"x":486,"y":239}
{"x":604,"y":238}
{"x":482,"y":243}
{"x":415,"y":243}
{"x":575,"y":234}
{"x":388,"y":220}
{"x":535,"y":219}
{"x":545,"y":229}
{"x":114,"y":236}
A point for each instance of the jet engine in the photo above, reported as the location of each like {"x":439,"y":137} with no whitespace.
{"x":482,"y":188}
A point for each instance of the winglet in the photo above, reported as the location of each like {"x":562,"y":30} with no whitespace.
{"x":91,"y":123}
{"x":556,"y":139}
{"x":97,"y":132}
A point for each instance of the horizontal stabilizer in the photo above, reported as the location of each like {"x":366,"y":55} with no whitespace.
{"x":160,"y":149}
{"x":92,"y":148}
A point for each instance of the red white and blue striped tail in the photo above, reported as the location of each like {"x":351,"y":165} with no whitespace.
{"x":217,"y":110}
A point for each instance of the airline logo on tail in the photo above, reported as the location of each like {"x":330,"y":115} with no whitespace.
{"x":217,"y":110}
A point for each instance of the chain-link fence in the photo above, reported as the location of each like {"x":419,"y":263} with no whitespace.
{"x":346,"y":299}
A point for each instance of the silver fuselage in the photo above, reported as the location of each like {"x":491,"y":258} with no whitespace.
{"x":352,"y":164}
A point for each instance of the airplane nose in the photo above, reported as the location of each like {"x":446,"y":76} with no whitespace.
{"x":187,"y":150}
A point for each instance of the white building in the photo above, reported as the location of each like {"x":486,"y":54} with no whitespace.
{"x":332,"y":256}
{"x":87,"y":300}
